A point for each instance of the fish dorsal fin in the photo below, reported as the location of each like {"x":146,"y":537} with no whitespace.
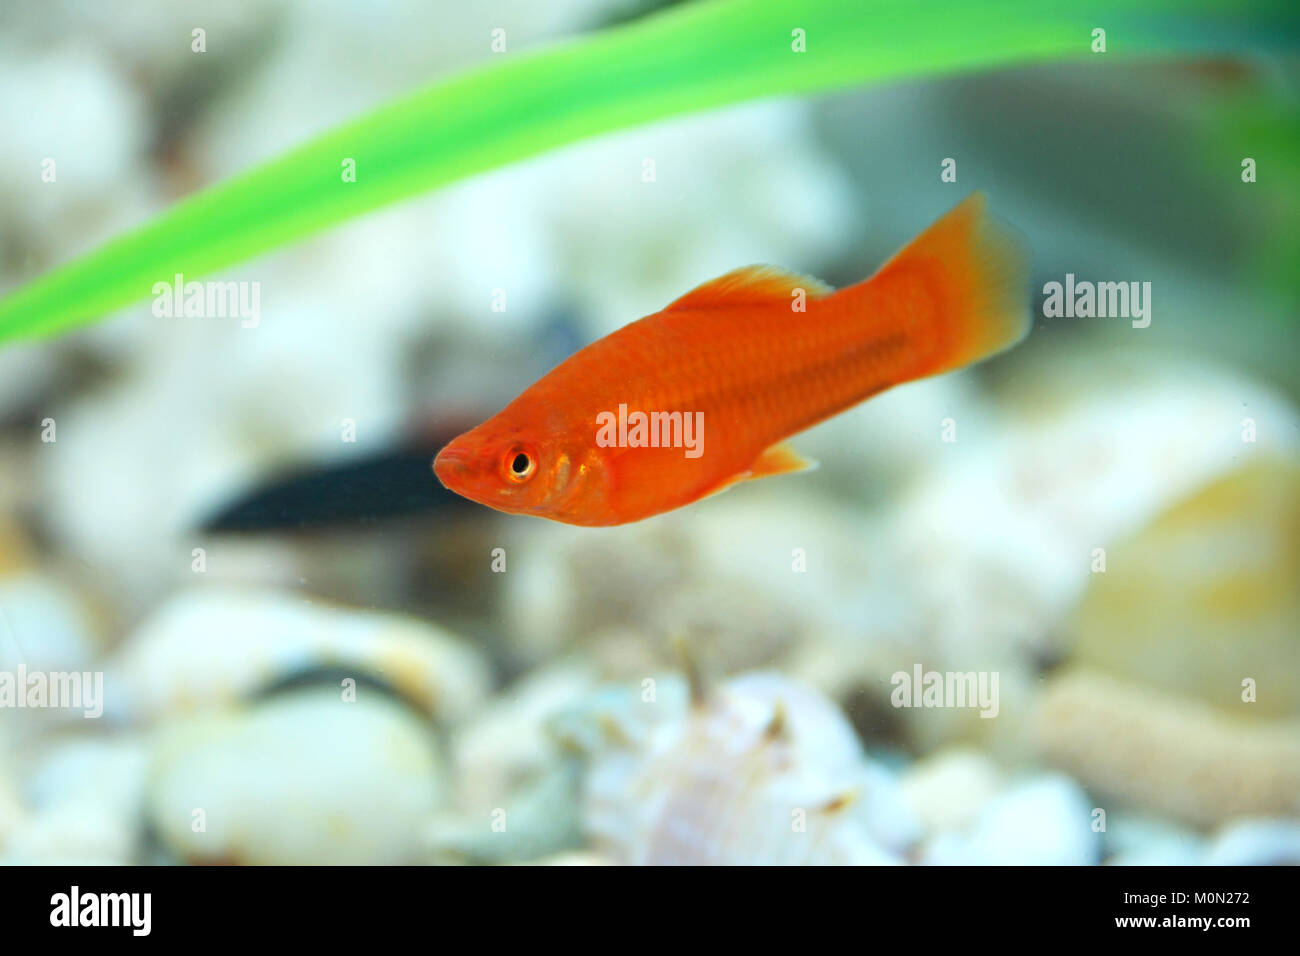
{"x":752,"y":285}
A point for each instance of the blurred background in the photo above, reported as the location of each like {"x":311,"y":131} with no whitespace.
{"x":312,"y":654}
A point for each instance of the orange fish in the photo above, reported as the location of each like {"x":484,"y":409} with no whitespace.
{"x":688,"y":401}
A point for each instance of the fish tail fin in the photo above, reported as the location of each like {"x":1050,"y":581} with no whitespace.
{"x":969,"y":272}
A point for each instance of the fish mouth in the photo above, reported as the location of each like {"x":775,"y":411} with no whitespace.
{"x":451,"y":465}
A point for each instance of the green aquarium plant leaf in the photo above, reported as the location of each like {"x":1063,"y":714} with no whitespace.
{"x":689,"y":57}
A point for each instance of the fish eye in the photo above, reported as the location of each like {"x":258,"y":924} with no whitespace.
{"x":519,"y":464}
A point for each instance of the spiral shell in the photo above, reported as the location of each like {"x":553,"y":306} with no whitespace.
{"x":761,"y":771}
{"x":208,"y":647}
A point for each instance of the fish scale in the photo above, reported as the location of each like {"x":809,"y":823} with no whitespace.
{"x":744,"y":370}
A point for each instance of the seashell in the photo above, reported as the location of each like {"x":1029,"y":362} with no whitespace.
{"x":12,"y":811}
{"x":995,"y":548}
{"x":759,"y":771}
{"x":210,"y":646}
{"x":570,"y":859}
{"x":302,"y":779}
{"x":138,"y":527}
{"x":140,"y":42}
{"x":1065,"y":479}
{"x":516,"y":793}
{"x":948,"y":790}
{"x":506,"y":763}
{"x":45,"y":624}
{"x":15,"y":549}
{"x":1256,"y":843}
{"x":108,"y":145}
{"x":1168,"y":753}
{"x":1045,"y":821}
{"x":49,"y":627}
{"x":85,"y":796}
{"x":1136,"y":839}
{"x":69,"y":835}
{"x":534,"y":819}
{"x":506,"y":742}
{"x":1177,"y":614}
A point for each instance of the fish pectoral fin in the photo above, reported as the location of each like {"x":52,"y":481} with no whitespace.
{"x":752,"y":285}
{"x":777,"y":460}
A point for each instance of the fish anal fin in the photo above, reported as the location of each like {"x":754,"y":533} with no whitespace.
{"x":751,"y":285}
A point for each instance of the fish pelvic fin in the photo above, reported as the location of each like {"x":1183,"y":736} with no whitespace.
{"x":780,"y":459}
{"x":975,"y":270}
{"x":750,"y":286}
